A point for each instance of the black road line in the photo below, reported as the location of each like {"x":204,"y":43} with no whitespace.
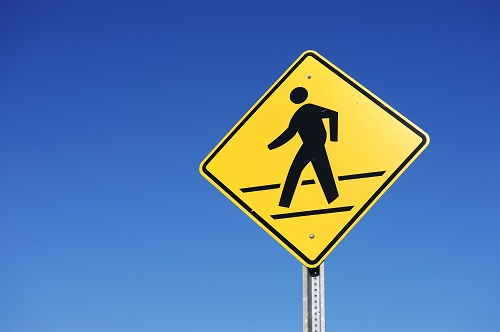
{"x":258,"y":188}
{"x":307,"y":182}
{"x":360,"y":176}
{"x":272,"y":186}
{"x":312,"y":212}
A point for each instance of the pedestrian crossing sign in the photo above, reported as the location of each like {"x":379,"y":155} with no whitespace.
{"x":312,"y":156}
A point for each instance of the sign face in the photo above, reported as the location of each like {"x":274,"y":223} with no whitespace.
{"x":312,"y":156}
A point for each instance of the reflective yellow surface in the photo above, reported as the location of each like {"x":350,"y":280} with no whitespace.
{"x":375,"y":145}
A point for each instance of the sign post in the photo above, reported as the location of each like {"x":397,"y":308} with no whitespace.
{"x":313,"y":298}
{"x":308,"y":161}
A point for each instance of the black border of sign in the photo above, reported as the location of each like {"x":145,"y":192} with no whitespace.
{"x":364,"y":207}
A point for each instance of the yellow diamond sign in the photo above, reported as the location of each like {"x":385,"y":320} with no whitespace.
{"x":309,"y":159}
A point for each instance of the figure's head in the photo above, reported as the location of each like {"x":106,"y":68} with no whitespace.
{"x":298,"y":95}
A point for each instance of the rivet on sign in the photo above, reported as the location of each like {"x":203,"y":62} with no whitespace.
{"x":311,"y":236}
{"x":309,"y":76}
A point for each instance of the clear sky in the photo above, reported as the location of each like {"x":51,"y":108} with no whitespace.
{"x":107,"y":109}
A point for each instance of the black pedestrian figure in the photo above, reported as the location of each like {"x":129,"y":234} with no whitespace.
{"x":307,"y":122}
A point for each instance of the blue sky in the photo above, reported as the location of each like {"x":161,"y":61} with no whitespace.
{"x":108,"y":107}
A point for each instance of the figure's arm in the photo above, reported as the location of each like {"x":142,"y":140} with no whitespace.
{"x":282,"y":139}
{"x":333,"y":122}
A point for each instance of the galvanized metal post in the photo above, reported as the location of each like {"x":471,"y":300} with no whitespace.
{"x":313,"y":300}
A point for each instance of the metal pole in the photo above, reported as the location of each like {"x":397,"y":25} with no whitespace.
{"x":313,"y":299}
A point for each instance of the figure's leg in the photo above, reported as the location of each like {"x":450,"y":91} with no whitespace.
{"x":325,"y":176}
{"x":299,"y":162}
